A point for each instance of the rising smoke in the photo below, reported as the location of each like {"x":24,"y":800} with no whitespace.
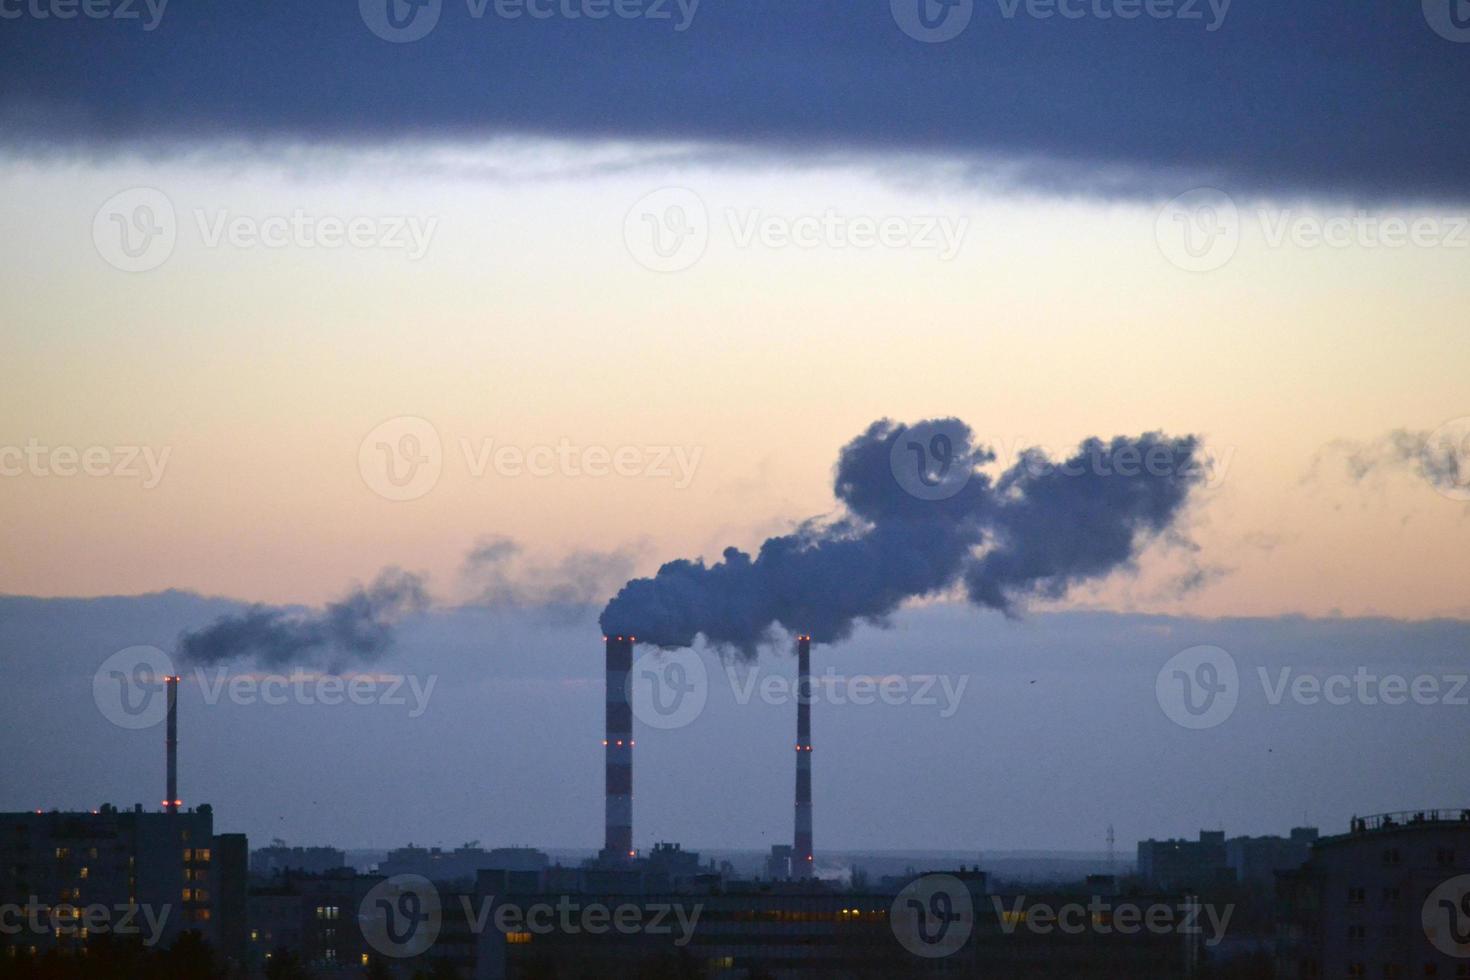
{"x":358,"y":628}
{"x":499,"y":575}
{"x":1035,"y":531}
{"x":1440,"y":458}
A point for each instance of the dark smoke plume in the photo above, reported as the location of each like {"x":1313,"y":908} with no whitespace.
{"x":919,"y":519}
{"x":356,"y":629}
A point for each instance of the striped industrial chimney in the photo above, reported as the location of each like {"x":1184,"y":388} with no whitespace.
{"x":801,"y":859}
{"x":618,"y":842}
{"x":171,"y":745}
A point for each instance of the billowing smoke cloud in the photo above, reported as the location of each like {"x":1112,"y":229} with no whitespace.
{"x":919,"y":519}
{"x":1440,"y":458}
{"x":356,"y":629}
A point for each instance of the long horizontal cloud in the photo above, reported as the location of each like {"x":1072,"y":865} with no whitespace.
{"x":1310,"y":96}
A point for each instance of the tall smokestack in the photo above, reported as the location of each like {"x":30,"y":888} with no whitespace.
{"x":802,"y":860}
{"x":171,"y":801}
{"x":618,"y":842}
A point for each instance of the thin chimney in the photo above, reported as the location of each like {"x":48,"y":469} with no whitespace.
{"x":171,"y":801}
{"x":618,"y":840}
{"x":802,"y":858}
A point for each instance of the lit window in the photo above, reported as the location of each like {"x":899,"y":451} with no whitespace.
{"x":82,"y":873}
{"x":517,"y":938}
{"x":188,"y":894}
{"x":188,"y":854}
